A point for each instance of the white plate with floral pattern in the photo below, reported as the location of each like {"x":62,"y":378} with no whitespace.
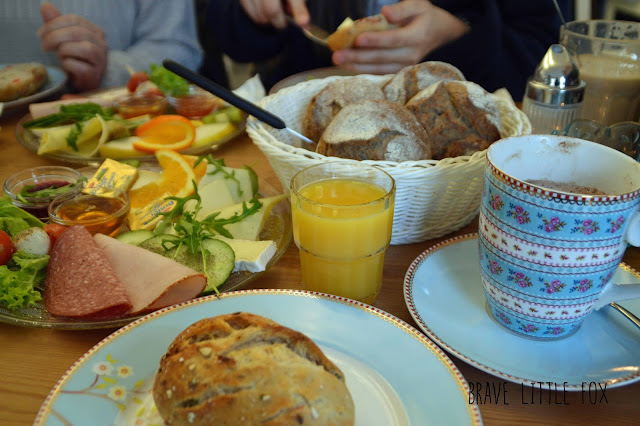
{"x":394,"y":373}
{"x":443,"y":291}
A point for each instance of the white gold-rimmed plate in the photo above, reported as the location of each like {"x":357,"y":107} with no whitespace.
{"x":394,"y":373}
{"x":443,"y":292}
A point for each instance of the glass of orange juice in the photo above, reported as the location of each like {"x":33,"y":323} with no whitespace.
{"x":342,"y":220}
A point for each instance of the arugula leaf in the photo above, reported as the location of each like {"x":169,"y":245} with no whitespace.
{"x":191,"y":232}
{"x":19,"y":279}
{"x":71,"y":114}
{"x":168,"y":82}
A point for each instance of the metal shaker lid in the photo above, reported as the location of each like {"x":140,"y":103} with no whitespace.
{"x":557,"y":79}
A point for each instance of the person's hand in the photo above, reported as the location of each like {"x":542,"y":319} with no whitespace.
{"x":423,"y":28}
{"x":79,"y":44}
{"x":273,"y":12}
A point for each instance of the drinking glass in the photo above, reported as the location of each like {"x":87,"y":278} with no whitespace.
{"x":608,"y":57}
{"x":342,"y":220}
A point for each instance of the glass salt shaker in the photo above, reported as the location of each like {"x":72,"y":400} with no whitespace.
{"x":553,"y":97}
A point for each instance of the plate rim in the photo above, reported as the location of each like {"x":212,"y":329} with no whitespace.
{"x":408,"y":296}
{"x":286,"y":238}
{"x":26,"y":100}
{"x":473,"y":410}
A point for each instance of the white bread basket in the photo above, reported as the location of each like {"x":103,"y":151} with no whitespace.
{"x":433,"y":198}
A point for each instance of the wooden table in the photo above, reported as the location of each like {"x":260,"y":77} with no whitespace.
{"x":32,"y":360}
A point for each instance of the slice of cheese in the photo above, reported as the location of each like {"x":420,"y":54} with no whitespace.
{"x":249,"y":228}
{"x":252,"y":256}
{"x":240,"y":188}
{"x":215,"y":195}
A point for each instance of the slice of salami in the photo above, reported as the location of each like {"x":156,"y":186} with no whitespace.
{"x":80,"y":282}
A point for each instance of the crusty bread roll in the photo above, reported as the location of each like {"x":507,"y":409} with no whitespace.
{"x":375,"y":130}
{"x":345,"y":35}
{"x":460,"y":117}
{"x":410,"y":80}
{"x":241,"y":368}
{"x":19,"y":80}
{"x":332,"y":98}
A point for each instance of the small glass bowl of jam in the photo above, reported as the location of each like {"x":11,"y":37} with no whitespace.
{"x":34,"y":189}
{"x":137,"y":105}
{"x":196,"y":104}
{"x":99,"y":214}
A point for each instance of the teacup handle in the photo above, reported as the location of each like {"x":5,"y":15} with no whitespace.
{"x":618,"y":292}
{"x":632,"y":233}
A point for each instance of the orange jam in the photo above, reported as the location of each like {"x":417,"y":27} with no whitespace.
{"x":104,"y":215}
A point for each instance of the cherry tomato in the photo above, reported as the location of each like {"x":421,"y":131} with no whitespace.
{"x":6,"y":247}
{"x":135,"y":80}
{"x":54,"y":230}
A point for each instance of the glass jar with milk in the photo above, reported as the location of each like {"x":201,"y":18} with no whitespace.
{"x":608,"y":57}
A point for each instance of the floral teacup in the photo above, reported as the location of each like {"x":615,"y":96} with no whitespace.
{"x":547,"y":248}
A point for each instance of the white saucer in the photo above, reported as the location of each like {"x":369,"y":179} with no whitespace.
{"x":443,"y":291}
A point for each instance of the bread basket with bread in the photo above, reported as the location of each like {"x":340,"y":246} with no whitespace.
{"x":433,"y":196}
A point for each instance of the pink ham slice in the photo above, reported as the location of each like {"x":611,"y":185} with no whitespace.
{"x":46,"y":108}
{"x":80,"y":282}
{"x":151,"y":280}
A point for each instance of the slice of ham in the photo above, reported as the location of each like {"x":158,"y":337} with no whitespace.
{"x":80,"y":282}
{"x":152,"y":281}
{"x":46,"y":108}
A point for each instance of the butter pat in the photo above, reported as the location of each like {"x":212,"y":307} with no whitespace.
{"x":111,"y":178}
{"x":147,"y":217}
{"x":252,"y":256}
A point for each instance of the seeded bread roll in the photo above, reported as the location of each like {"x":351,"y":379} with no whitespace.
{"x":375,"y":130}
{"x":410,"y":80}
{"x":345,"y":35}
{"x":332,"y":98}
{"x":19,"y":80}
{"x":459,"y":117}
{"x":241,"y":368}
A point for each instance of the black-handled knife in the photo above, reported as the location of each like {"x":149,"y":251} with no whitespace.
{"x":227,"y":95}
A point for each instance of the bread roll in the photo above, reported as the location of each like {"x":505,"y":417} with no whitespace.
{"x":410,"y":80}
{"x":241,"y":368}
{"x":332,"y":98}
{"x":345,"y":35}
{"x":375,"y":130}
{"x":459,"y":117}
{"x":19,"y":80}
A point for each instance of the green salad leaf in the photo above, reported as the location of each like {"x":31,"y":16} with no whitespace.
{"x":168,"y":82}
{"x":19,"y":279}
{"x":13,"y":219}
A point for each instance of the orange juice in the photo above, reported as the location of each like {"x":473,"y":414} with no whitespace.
{"x":342,"y":227}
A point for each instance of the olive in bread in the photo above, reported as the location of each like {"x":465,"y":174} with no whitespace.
{"x":410,"y":80}
{"x":345,"y":35}
{"x":332,"y":98}
{"x":460,"y":117}
{"x":19,"y":80}
{"x":243,"y":368}
{"x":375,"y":130}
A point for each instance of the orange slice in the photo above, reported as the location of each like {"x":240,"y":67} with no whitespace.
{"x":176,"y":179}
{"x":165,"y":132}
{"x":198,"y":170}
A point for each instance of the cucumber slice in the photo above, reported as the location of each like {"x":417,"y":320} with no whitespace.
{"x":135,"y":237}
{"x":154,"y":243}
{"x":220,"y":259}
